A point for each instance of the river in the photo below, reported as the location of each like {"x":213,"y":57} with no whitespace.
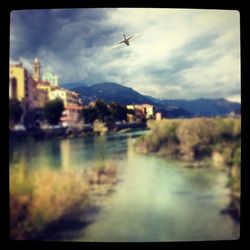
{"x":155,"y":200}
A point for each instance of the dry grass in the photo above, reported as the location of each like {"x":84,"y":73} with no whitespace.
{"x":43,"y":196}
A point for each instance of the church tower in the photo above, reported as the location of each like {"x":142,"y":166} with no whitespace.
{"x":37,"y":70}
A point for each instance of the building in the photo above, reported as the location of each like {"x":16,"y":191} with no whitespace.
{"x":145,"y":109}
{"x":72,"y":105}
{"x":51,"y":78}
{"x":68,"y":97}
{"x":158,"y":116}
{"x":71,"y":116}
{"x":37,"y":70}
{"x":34,"y":92}
{"x":24,"y":88}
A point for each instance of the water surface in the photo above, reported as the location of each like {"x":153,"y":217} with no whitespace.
{"x":155,"y":200}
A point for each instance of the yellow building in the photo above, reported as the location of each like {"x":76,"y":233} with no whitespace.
{"x":158,"y":116}
{"x":131,"y":107}
{"x":34,"y":93}
{"x":69,"y":97}
{"x":22,"y":86}
{"x":17,"y":82}
{"x":145,"y":109}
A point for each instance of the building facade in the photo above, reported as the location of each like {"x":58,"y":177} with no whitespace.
{"x":23,"y":88}
{"x":51,"y":78}
{"x":34,"y":92}
{"x":145,"y":109}
{"x":37,"y":70}
{"x":158,"y":116}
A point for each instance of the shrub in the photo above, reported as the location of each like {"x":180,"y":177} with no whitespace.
{"x":53,"y":110}
{"x":194,"y":135}
{"x":45,"y":195}
{"x":100,"y":127}
{"x":193,"y":138}
{"x":41,"y":197}
{"x":15,"y":111}
{"x":102,"y":173}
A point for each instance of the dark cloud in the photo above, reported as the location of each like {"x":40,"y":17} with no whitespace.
{"x":186,"y":54}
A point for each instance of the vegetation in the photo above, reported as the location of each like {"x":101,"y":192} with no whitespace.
{"x":99,"y":127}
{"x":198,"y":139}
{"x":118,"y":112}
{"x":108,"y":113}
{"x":44,"y":196}
{"x":193,"y":139}
{"x":33,"y":118}
{"x":15,"y":112}
{"x":53,"y":111}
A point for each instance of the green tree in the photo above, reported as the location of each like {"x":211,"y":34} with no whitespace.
{"x":15,"y":111}
{"x":102,"y":110}
{"x":89,"y":115}
{"x":53,"y":111}
{"x":118,"y":111}
{"x":34,"y":118}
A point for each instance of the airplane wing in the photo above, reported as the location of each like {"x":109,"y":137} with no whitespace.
{"x":130,"y":37}
{"x":119,"y":42}
{"x":116,"y":45}
{"x":135,"y":35}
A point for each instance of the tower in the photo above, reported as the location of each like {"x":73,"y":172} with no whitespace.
{"x":37,"y":70}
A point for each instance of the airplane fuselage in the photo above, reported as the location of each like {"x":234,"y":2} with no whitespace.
{"x":126,"y":41}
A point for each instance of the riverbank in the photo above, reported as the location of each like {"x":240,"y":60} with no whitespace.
{"x":65,"y":132}
{"x":165,"y":201}
{"x":200,"y":142}
{"x":42,"y":198}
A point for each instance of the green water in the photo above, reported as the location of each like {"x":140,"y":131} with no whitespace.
{"x":155,"y":199}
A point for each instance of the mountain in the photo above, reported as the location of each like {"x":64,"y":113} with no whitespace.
{"x":114,"y":92}
{"x":72,"y":85}
{"x":204,"y":107}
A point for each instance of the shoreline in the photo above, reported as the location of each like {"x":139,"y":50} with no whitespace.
{"x":68,"y":133}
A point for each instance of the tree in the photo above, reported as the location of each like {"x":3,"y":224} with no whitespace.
{"x":33,"y":118}
{"x":101,"y":110}
{"x":15,"y":111}
{"x":89,"y":115}
{"x":53,"y":111}
{"x":118,"y":111}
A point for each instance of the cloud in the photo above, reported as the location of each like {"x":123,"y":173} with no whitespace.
{"x":178,"y":54}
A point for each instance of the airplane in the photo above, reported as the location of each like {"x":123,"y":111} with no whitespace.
{"x":125,"y":41}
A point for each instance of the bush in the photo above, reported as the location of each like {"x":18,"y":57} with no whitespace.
{"x":15,"y":111}
{"x":99,"y":127}
{"x":41,"y":197}
{"x":102,"y":173}
{"x":192,"y":138}
{"x":53,"y":111}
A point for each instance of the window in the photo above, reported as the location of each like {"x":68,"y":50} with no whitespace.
{"x":14,"y":88}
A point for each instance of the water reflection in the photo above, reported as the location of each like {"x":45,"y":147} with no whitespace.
{"x":158,"y":200}
{"x":65,"y":154}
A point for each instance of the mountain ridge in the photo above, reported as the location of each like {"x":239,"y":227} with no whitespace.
{"x":111,"y":91}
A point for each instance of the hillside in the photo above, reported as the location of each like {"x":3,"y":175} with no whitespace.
{"x":204,"y":107}
{"x":114,"y":92}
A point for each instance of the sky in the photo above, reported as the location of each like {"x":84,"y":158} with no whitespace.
{"x":176,"y":54}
